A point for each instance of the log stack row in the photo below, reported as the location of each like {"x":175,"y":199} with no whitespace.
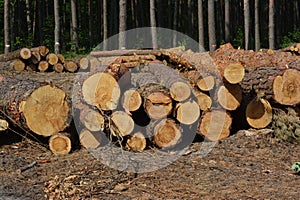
{"x":38,"y":59}
{"x":140,"y":99}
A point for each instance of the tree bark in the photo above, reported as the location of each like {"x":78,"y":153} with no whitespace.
{"x":6,"y":26}
{"x":57,"y":27}
{"x":257,"y":32}
{"x":227,"y":21}
{"x":246,"y":23}
{"x":200,"y":26}
{"x":211,"y":25}
{"x":74,"y":28}
{"x":122,"y":24}
{"x":153,"y":24}
{"x":271,"y":25}
{"x":104,"y":25}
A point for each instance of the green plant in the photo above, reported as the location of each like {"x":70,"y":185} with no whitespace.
{"x":296,"y":167}
{"x":238,"y":40}
{"x":291,"y":38}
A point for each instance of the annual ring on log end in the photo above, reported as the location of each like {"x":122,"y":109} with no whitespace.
{"x":46,"y":110}
{"x":234,"y":73}
{"x":259,"y":113}
{"x":103,"y":90}
{"x":180,"y":91}
{"x":167,"y":134}
{"x":286,"y":88}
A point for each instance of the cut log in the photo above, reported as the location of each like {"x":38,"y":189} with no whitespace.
{"x":46,"y":111}
{"x":215,"y":125}
{"x":61,"y":58}
{"x":180,"y":91}
{"x":43,"y":50}
{"x":60,"y":143}
{"x":94,"y":64}
{"x":122,"y":124}
{"x":286,"y":88}
{"x":19,"y":65}
{"x":71,"y":66}
{"x":23,"y":53}
{"x":187,"y":112}
{"x":206,"y":83}
{"x":91,"y":140}
{"x":92,"y":120}
{"x":230,"y":96}
{"x":84,"y":63}
{"x":34,"y":103}
{"x":43,"y":66}
{"x":58,"y":67}
{"x":35,"y":57}
{"x":101,"y":89}
{"x":52,"y":59}
{"x":123,"y":53}
{"x":204,"y":101}
{"x":136,"y":142}
{"x":3,"y":125}
{"x":259,"y":113}
{"x":157,"y":101}
{"x":234,"y":73}
{"x":131,"y":100}
{"x":167,"y":134}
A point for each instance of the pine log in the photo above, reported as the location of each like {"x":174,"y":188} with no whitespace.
{"x":94,"y":64}
{"x":215,"y":125}
{"x":204,"y":101}
{"x":206,"y":83}
{"x":187,"y":112}
{"x":84,"y":63}
{"x":180,"y":91}
{"x":60,"y":143}
{"x":101,"y":89}
{"x":131,"y":100}
{"x":91,"y":140}
{"x":58,"y":67}
{"x":52,"y":59}
{"x":70,"y":66}
{"x":34,"y":105}
{"x":136,"y":142}
{"x":157,"y":101}
{"x":286,"y":88}
{"x":135,"y":58}
{"x":43,"y":50}
{"x":167,"y":134}
{"x":122,"y":124}
{"x":61,"y":58}
{"x":92,"y":120}
{"x":35,"y":57}
{"x":19,"y":65}
{"x":234,"y":73}
{"x":3,"y":125}
{"x":114,"y":53}
{"x":259,"y":113}
{"x":43,"y":66}
{"x":23,"y":53}
{"x":230,"y":96}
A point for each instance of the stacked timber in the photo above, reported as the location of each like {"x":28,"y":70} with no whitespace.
{"x":139,"y":99}
{"x":38,"y":59}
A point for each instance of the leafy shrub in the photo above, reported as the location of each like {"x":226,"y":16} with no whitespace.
{"x":291,"y":38}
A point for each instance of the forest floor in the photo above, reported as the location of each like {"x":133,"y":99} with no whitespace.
{"x":247,"y":165}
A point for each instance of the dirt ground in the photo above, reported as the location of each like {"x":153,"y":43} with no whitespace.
{"x":247,"y":165}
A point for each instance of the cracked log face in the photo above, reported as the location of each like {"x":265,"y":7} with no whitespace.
{"x":286,"y":88}
{"x":259,"y":113}
{"x":103,"y":90}
{"x":46,"y":110}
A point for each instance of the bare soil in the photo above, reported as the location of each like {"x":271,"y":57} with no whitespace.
{"x":247,"y":165}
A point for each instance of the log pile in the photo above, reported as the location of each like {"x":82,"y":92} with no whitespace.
{"x":38,"y":59}
{"x":141,"y":99}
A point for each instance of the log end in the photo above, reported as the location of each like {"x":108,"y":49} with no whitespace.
{"x":60,"y":144}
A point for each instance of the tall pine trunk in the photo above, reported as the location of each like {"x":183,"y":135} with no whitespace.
{"x":211,"y":25}
{"x":153,"y":24}
{"x":257,"y":35}
{"x":6,"y":26}
{"x":104,"y":24}
{"x":175,"y":13}
{"x":200,"y":26}
{"x":227,"y":21}
{"x":271,"y":25}
{"x":246,"y":23}
{"x":122,"y":24}
{"x":74,"y":24}
{"x":57,"y":27}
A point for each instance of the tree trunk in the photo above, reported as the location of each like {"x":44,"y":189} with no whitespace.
{"x":211,"y":25}
{"x":122,"y":24}
{"x":246,"y":23}
{"x":57,"y":27}
{"x":200,"y":26}
{"x":6,"y":26}
{"x":271,"y":25}
{"x":104,"y":25}
{"x":74,"y":28}
{"x":257,"y":33}
{"x":153,"y":24}
{"x":227,"y":21}
{"x":174,"y":25}
{"x":34,"y":99}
